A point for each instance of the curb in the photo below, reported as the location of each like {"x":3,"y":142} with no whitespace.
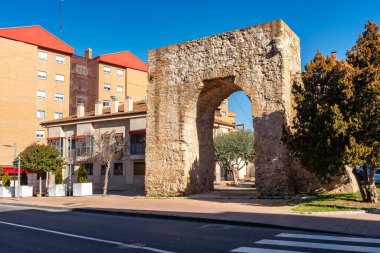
{"x":176,"y":217}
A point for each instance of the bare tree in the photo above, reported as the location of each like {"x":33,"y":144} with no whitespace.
{"x":107,"y":147}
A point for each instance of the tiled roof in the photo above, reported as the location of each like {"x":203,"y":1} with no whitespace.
{"x":36,"y":35}
{"x":125,"y":59}
{"x":138,"y":107}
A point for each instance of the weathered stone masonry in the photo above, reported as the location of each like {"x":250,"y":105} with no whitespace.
{"x":187,"y":81}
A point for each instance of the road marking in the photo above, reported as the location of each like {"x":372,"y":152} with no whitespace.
{"x":259,"y":250}
{"x":321,"y":246}
{"x":330,"y":238}
{"x":120,"y":244}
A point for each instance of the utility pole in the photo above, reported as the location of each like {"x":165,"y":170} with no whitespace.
{"x":18,"y":178}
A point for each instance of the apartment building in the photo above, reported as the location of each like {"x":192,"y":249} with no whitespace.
{"x":83,"y":82}
{"x":34,"y":83}
{"x":127,"y":121}
{"x":117,"y":75}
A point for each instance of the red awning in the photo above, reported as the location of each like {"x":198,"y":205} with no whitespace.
{"x":10,"y":170}
{"x":52,"y":138}
{"x":80,"y":136}
{"x":137,"y":132}
{"x":118,"y":134}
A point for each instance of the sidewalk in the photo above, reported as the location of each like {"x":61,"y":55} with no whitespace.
{"x":239,"y":211}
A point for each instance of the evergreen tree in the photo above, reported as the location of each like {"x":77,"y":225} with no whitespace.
{"x":82,"y":174}
{"x":58,"y":175}
{"x":338,"y":113}
{"x":364,"y":143}
{"x":6,"y":180}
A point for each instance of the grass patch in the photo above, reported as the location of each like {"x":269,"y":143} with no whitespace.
{"x":333,"y":203}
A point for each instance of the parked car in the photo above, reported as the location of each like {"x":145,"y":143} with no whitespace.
{"x":377,"y":174}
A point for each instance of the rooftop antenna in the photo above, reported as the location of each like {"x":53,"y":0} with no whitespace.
{"x":60,"y":18}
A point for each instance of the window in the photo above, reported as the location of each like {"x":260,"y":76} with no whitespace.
{"x":60,"y":59}
{"x":138,"y":144}
{"x":106,"y":70}
{"x":42,"y":55}
{"x":81,"y":101}
{"x":106,"y":86}
{"x":118,"y":169}
{"x":81,"y":69}
{"x":56,"y":142}
{"x":40,"y":114}
{"x":120,"y":72}
{"x":42,"y":74}
{"x":83,"y":146}
{"x":58,"y":97}
{"x":106,"y":103}
{"x":40,"y":134}
{"x":224,"y":114}
{"x":41,"y":94}
{"x":59,"y":78}
{"x":119,"y":89}
{"x":143,"y":98}
{"x":89,"y":168}
{"x":82,"y":84}
{"x":58,"y":115}
{"x":103,"y":170}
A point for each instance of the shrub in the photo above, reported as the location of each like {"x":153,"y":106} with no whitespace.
{"x":58,"y":175}
{"x":82,"y":174}
{"x":6,"y":180}
{"x":24,"y":178}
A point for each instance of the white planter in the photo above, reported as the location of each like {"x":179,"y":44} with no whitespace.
{"x":82,"y":189}
{"x":6,"y":192}
{"x":26,"y":191}
{"x":57,"y":190}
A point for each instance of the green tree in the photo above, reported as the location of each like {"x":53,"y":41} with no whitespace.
{"x":6,"y":180}
{"x":58,"y":178}
{"x":40,"y":159}
{"x":364,"y":143}
{"x":338,"y":110}
{"x":82,"y":174}
{"x":24,"y":178}
{"x":234,"y":150}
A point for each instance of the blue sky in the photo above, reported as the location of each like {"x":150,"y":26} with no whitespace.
{"x":117,"y":25}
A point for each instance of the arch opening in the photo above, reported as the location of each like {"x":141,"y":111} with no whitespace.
{"x":201,"y":174}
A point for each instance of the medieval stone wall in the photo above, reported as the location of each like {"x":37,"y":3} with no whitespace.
{"x":187,"y":81}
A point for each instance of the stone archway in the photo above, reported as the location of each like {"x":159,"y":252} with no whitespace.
{"x":187,"y":81}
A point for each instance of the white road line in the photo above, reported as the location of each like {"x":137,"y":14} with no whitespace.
{"x":330,"y":238}
{"x":259,"y":250}
{"x":361,"y":249}
{"x":120,"y":244}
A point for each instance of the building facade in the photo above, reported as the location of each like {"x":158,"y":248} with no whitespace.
{"x":127,"y":121}
{"x":83,"y":82}
{"x":34,"y":82}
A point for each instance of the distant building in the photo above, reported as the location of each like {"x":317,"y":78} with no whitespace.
{"x":83,"y":82}
{"x":34,"y":83}
{"x":107,"y":77}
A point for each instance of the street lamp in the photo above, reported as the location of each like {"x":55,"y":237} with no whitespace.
{"x":14,"y":159}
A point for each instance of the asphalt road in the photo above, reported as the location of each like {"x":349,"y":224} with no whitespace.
{"x":41,"y":230}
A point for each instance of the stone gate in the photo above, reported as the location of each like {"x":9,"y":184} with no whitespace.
{"x":187,"y":81}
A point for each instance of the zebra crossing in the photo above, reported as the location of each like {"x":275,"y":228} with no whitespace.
{"x":306,"y":243}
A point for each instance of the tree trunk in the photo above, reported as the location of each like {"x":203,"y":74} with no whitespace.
{"x":371,"y":187}
{"x":105,"y":187}
{"x":40,"y":186}
{"x":362,"y":193}
{"x":234,"y":174}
